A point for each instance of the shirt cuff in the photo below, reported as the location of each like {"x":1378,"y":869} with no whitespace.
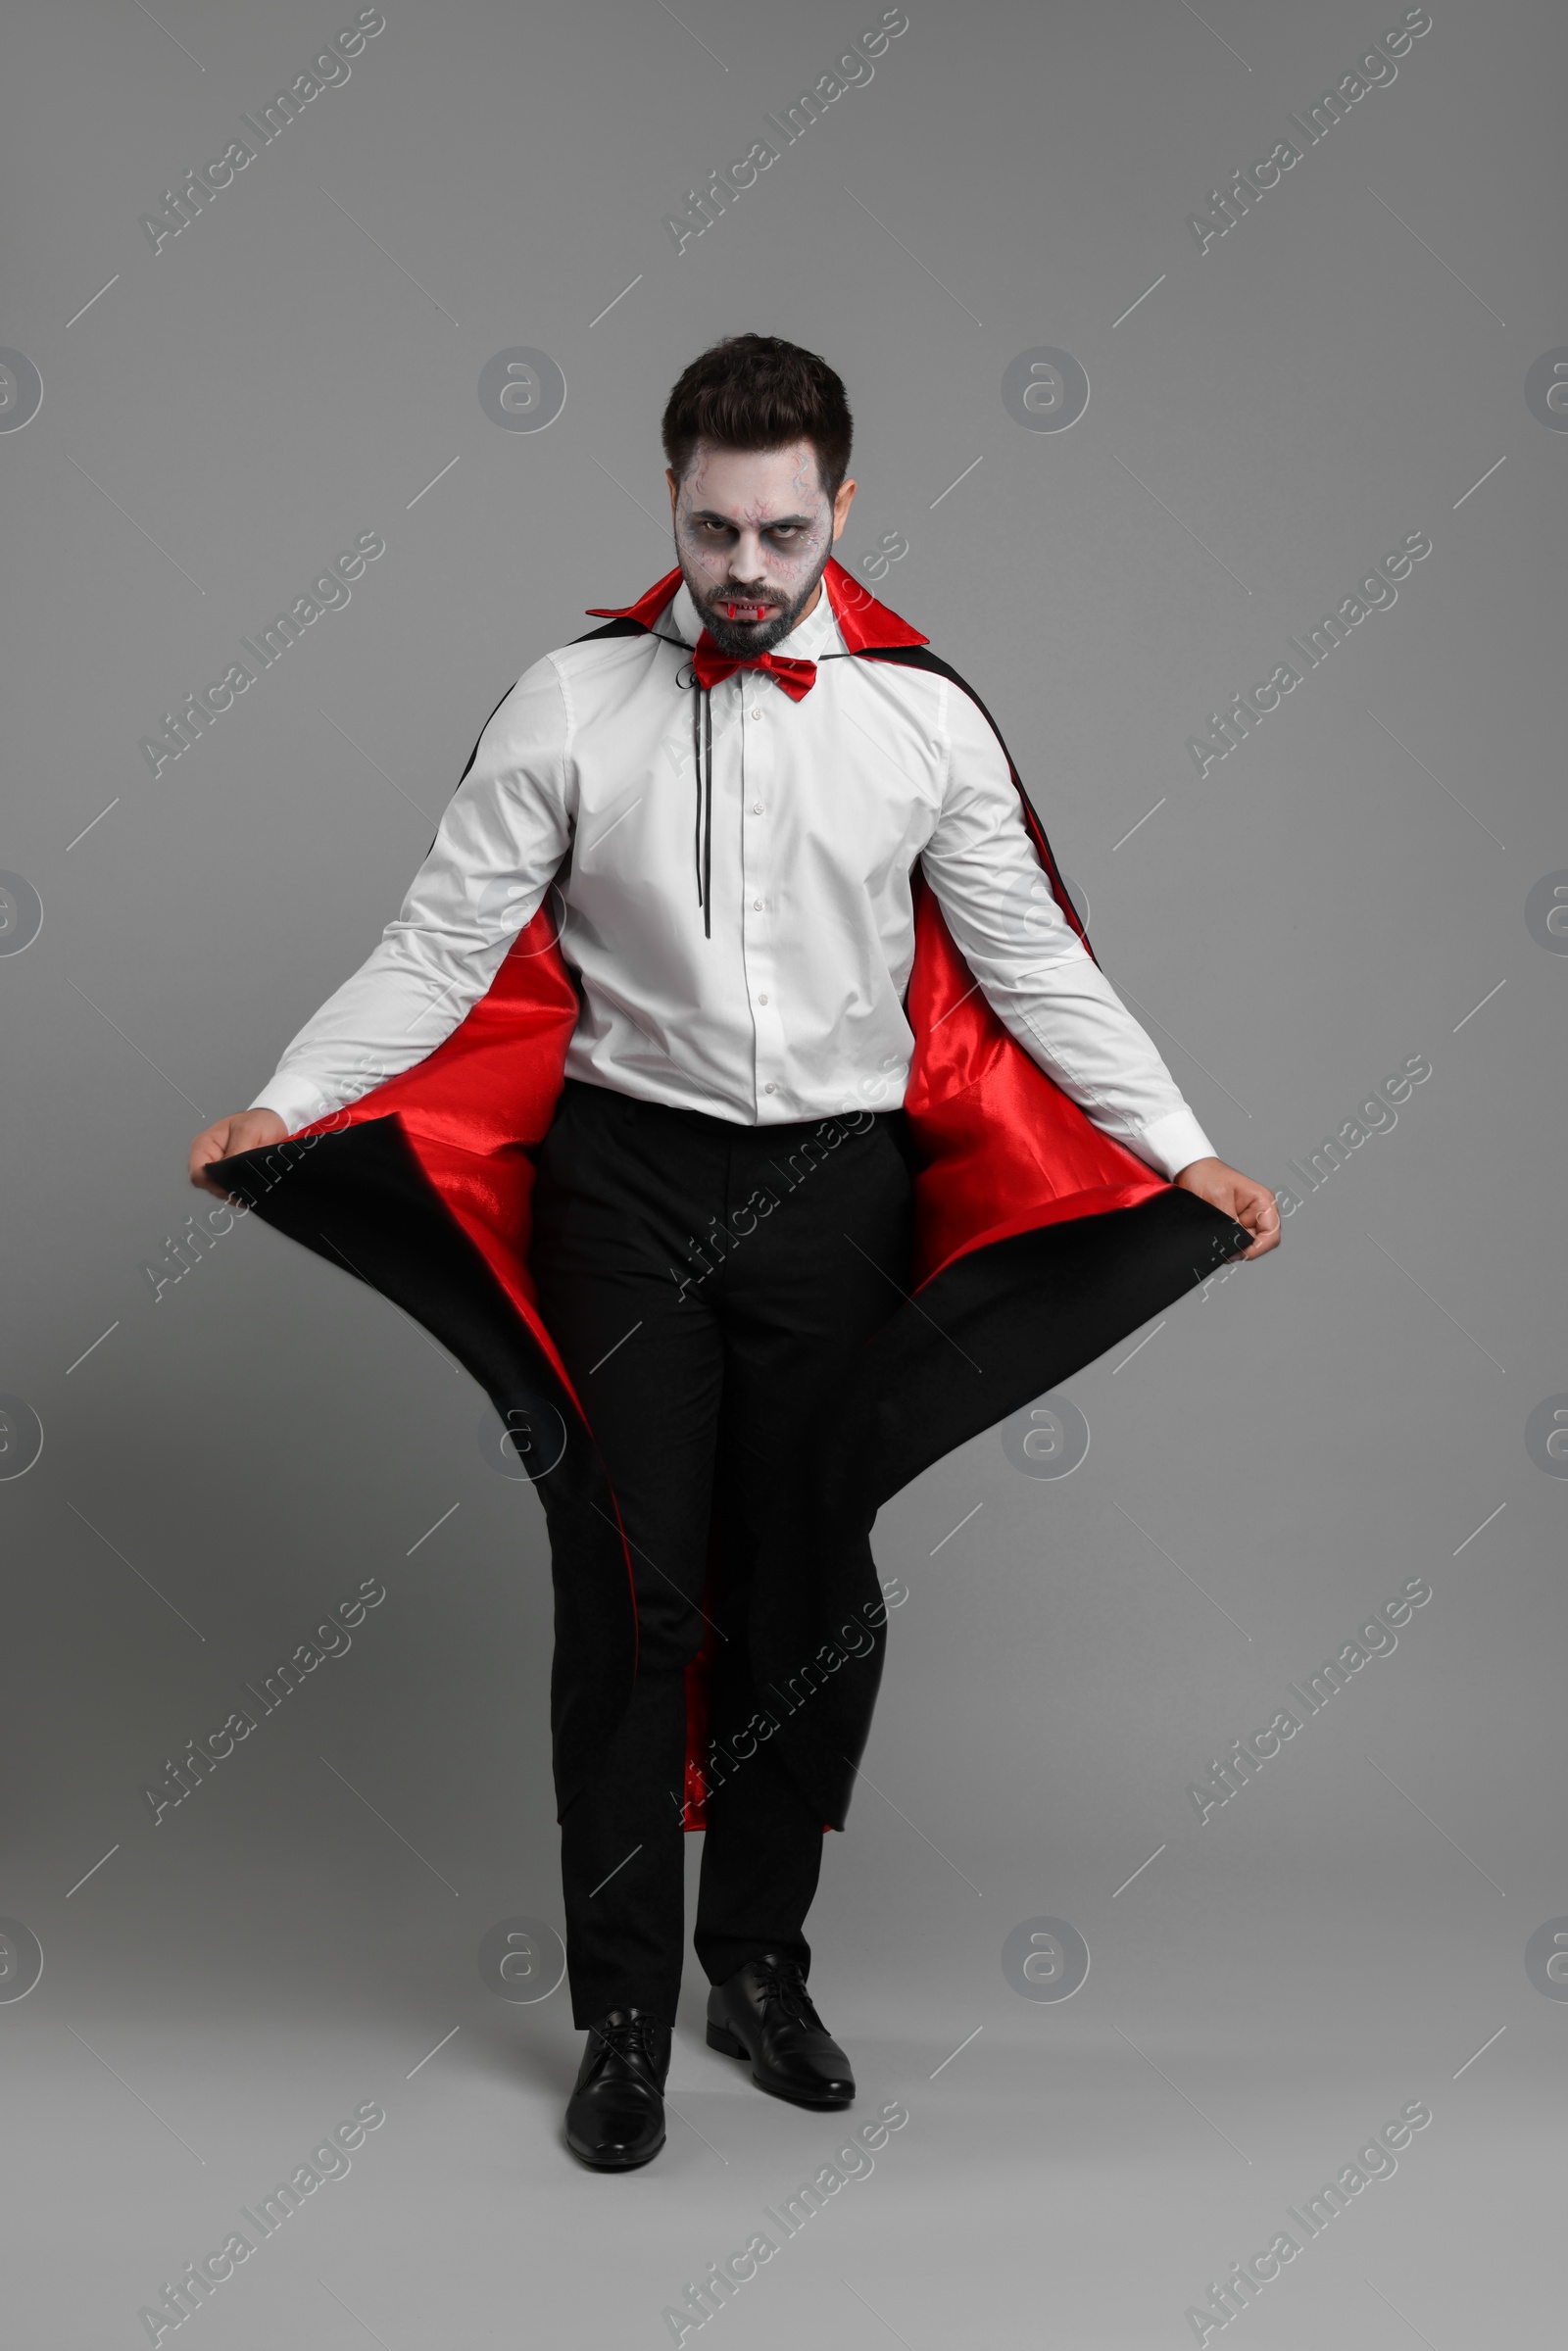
{"x":1174,"y":1141}
{"x":295,"y":1100}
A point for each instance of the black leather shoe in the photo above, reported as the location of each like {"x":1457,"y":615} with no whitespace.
{"x":616,"y":2115}
{"x":764,"y":2013}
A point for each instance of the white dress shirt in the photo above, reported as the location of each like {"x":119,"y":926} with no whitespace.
{"x":583,"y":787}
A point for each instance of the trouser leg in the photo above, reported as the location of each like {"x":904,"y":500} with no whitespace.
{"x":623,"y":1863}
{"x":803,"y":1294}
{"x":648,"y":1366}
{"x":762,"y":1858}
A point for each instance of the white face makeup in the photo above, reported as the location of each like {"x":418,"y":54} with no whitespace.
{"x":753,"y":530}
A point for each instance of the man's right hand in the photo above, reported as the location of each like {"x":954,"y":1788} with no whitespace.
{"x":246,"y":1130}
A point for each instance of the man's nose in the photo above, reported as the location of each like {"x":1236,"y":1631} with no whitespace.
{"x":746,"y":558}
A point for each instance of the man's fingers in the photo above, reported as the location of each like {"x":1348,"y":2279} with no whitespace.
{"x":210,"y":1145}
{"x":1256,"y":1214}
{"x":1262,"y":1218}
{"x":214,"y":1143}
{"x":226,"y":1137}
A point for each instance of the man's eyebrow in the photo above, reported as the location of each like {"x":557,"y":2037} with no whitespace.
{"x":707,"y":514}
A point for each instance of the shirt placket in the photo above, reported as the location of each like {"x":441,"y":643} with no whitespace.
{"x":759,"y":755}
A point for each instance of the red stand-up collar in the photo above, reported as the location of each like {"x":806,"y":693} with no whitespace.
{"x":646,"y":611}
{"x":865,"y":626}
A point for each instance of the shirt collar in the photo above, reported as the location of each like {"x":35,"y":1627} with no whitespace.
{"x":810,"y":639}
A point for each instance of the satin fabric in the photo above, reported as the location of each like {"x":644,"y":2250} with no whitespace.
{"x":712,"y":667}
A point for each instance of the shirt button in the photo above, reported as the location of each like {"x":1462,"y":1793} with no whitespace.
{"x":757,"y":905}
{"x":762,"y":1000}
{"x":757,"y":713}
{"x":757,"y":807}
{"x":771,"y":1088}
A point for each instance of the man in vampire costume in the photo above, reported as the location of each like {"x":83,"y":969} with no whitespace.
{"x":737,"y":1097}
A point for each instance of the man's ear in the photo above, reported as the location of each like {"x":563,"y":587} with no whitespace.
{"x":674,"y":480}
{"x":843,"y":500}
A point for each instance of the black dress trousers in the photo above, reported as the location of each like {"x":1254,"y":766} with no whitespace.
{"x":706,"y":1283}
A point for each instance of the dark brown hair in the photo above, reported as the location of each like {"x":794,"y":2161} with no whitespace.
{"x":756,"y":392}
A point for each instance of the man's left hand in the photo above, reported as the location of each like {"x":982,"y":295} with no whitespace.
{"x":1249,"y":1204}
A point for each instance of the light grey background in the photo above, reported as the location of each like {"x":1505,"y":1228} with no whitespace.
{"x":1281,"y":1456}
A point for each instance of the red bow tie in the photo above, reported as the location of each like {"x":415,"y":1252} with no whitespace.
{"x":713,"y":668}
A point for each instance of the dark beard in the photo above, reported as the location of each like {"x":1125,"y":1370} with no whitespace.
{"x":743,"y":641}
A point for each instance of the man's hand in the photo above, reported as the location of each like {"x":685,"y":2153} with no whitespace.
{"x":252,"y":1130}
{"x":1249,"y":1204}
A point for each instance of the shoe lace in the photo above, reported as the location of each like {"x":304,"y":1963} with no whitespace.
{"x":781,"y":1979}
{"x":628,"y":2037}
